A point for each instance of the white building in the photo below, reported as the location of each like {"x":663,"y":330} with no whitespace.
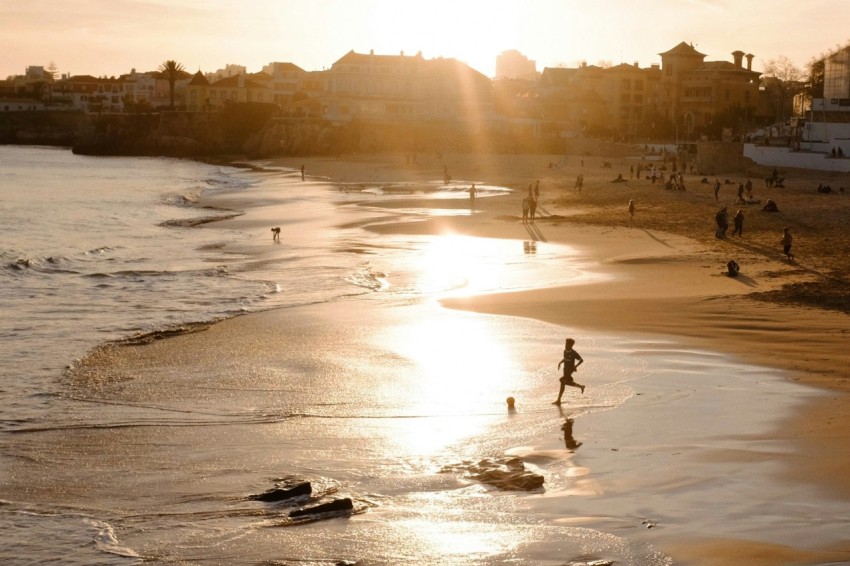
{"x":825,"y":140}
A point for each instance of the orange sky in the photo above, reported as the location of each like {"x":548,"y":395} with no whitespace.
{"x":110,"y":37}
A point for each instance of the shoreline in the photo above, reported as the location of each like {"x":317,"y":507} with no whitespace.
{"x":665,"y":283}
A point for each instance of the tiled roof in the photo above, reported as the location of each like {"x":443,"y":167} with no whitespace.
{"x":683,"y":49}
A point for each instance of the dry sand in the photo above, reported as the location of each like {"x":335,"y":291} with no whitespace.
{"x":669,"y":278}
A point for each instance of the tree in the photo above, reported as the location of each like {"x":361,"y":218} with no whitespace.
{"x":782,"y":80}
{"x":816,"y":77}
{"x":171,"y":71}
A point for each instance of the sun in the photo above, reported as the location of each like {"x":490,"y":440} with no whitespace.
{"x":474,"y":31}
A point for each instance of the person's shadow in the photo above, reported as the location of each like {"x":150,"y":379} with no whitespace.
{"x":567,"y":427}
{"x":569,"y":440}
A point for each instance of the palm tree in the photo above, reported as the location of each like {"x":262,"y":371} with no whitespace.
{"x":171,"y":71}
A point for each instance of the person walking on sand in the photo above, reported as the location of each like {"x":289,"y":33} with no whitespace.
{"x":570,"y":361}
{"x":532,"y":208}
{"x":787,"y":240}
{"x":738,"y":220}
{"x":722,"y":220}
{"x":631,"y":209}
{"x":525,"y":209}
{"x":717,"y":189}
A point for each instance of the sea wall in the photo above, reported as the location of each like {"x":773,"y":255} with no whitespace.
{"x":256,"y":131}
{"x":785,"y":157}
{"x":42,"y":127}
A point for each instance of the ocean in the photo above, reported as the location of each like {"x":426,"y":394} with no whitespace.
{"x":164,"y":360}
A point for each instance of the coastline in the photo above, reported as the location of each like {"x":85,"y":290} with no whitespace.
{"x":664,"y":284}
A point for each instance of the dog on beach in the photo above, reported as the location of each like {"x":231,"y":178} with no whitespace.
{"x":276,"y":233}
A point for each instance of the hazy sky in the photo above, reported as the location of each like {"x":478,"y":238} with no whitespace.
{"x":111,"y":37}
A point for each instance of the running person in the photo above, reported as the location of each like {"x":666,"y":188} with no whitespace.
{"x":570,"y":361}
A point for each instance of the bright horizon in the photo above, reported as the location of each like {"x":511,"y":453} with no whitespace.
{"x":109,"y":38}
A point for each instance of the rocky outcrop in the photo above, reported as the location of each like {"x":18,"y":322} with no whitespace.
{"x":342,"y":505}
{"x":274,"y":495}
{"x":59,"y":128}
{"x":503,"y":473}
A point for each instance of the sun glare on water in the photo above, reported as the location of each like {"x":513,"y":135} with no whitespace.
{"x":462,"y":265}
{"x":457,"y":359}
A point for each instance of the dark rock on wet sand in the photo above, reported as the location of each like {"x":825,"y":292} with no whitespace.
{"x":503,"y":473}
{"x":284,"y":493}
{"x":343,"y":504}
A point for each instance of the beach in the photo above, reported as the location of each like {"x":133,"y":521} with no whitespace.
{"x":669,"y":280}
{"x":370,"y":351}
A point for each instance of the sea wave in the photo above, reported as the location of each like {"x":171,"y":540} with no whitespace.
{"x":46,"y":263}
{"x":369,"y":278}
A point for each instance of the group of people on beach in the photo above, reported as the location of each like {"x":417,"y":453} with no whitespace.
{"x":721,"y":219}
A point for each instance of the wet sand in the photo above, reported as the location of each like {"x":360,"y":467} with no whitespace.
{"x":669,"y":280}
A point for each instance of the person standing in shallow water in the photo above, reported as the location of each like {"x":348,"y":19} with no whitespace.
{"x":570,"y":361}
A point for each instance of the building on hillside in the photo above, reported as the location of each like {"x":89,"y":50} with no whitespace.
{"x":617,"y":101}
{"x":229,"y":70}
{"x":236,"y":89}
{"x":8,"y":104}
{"x":512,"y":64}
{"x":823,"y":141}
{"x":828,"y":127}
{"x":36,"y":84}
{"x":145,"y":90}
{"x":372,"y":87}
{"x":697,"y":95}
{"x":90,"y":94}
{"x":197,"y":93}
{"x":285,"y":82}
{"x":396,"y":88}
{"x":632,"y":98}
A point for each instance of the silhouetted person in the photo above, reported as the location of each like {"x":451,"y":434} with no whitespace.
{"x":717,"y":189}
{"x":570,"y":361}
{"x":276,"y":234}
{"x":525,"y":209}
{"x":532,"y":208}
{"x":302,"y":172}
{"x":787,"y":240}
{"x":631,"y":209}
{"x":738,"y":221}
{"x":732,"y":268}
{"x":722,"y":220}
